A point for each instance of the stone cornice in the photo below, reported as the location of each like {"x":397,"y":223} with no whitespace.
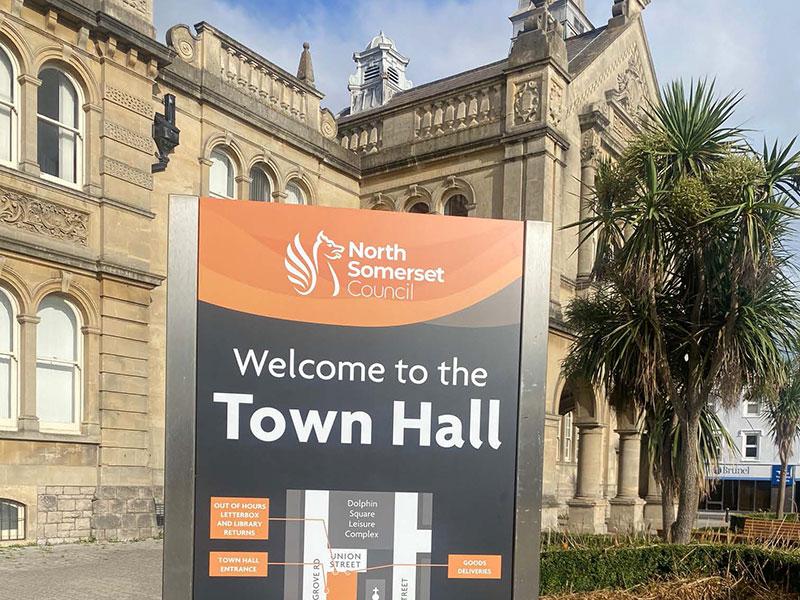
{"x":100,"y":268}
{"x":90,"y":16}
{"x":294,"y":133}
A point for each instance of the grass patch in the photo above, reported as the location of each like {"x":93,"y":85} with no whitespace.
{"x":708,"y":588}
{"x":623,"y":568}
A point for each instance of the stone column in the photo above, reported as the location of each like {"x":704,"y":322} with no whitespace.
{"x":587,"y":511}
{"x":243,"y":187}
{"x":29,"y":124}
{"x":586,"y":250}
{"x":627,"y":509}
{"x":653,"y":515}
{"x":205,"y":172}
{"x":28,"y":419}
{"x":550,"y":504}
{"x":91,"y":403}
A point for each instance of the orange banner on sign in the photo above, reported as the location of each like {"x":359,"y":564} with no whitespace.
{"x":351,"y":267}
{"x":237,"y":564}
{"x":474,"y":566}
{"x":239,"y":518}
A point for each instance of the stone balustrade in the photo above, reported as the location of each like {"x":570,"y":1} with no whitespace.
{"x":268,"y":86}
{"x":364,"y":138}
{"x":463,"y":111}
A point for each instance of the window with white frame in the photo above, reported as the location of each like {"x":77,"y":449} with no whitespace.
{"x":59,"y":366}
{"x":260,"y":185}
{"x":752,"y":408}
{"x":567,"y":436}
{"x":752,"y":443}
{"x":60,"y":135}
{"x":295,"y":194}
{"x":222,"y":176}
{"x":9,"y":109}
{"x":9,"y":361}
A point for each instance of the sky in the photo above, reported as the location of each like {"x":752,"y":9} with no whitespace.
{"x":747,"y":45}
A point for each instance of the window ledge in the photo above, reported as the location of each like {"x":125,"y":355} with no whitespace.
{"x":41,"y":436}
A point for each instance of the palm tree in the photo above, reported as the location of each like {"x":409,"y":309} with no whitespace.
{"x":783,"y":416}
{"x":692,"y":302}
{"x":663,"y":444}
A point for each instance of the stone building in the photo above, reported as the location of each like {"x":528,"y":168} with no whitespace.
{"x":83,"y":222}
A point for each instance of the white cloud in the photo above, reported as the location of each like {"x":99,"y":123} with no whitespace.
{"x":441,"y":40}
{"x":744,"y":44}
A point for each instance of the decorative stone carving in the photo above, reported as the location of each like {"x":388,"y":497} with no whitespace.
{"x":125,"y":136}
{"x":527,"y":102}
{"x":328,"y":126}
{"x":581,"y":96}
{"x":631,"y":87}
{"x":590,"y":147}
{"x":620,"y":127}
{"x":180,"y":39}
{"x":127,"y":173}
{"x":555,"y":102}
{"x":126,"y":100}
{"x":467,"y":110}
{"x":140,"y":6}
{"x":43,"y":217}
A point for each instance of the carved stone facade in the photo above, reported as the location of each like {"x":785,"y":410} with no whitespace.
{"x":42,"y":217}
{"x":517,"y":139}
{"x":527,"y":102}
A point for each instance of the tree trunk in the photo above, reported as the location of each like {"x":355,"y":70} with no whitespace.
{"x":667,"y":491}
{"x":667,"y":512}
{"x":782,"y":491}
{"x":689,"y":493}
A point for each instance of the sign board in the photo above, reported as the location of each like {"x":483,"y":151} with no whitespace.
{"x":776,"y":475}
{"x":744,"y":471}
{"x":355,"y":404}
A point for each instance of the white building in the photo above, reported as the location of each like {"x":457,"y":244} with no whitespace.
{"x":747,"y":475}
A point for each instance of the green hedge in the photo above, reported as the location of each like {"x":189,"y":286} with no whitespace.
{"x":586,"y":570}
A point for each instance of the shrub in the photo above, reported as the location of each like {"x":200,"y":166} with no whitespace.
{"x":590,"y":569}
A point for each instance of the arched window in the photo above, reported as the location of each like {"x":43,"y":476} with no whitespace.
{"x":9,"y":109}
{"x":9,"y":361}
{"x":295,"y":194}
{"x":58,"y":365}
{"x":222,"y":176}
{"x":260,"y":185}
{"x":12,"y":521}
{"x":60,"y":132}
{"x":457,"y":206}
{"x":420,"y":208}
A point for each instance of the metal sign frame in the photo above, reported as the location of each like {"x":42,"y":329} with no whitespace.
{"x":179,"y":476}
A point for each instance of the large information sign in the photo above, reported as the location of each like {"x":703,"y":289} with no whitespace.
{"x":344,"y":404}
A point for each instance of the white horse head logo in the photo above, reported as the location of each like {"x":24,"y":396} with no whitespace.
{"x":303,"y":269}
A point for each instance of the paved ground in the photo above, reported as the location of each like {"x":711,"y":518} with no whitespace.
{"x":82,"y":572}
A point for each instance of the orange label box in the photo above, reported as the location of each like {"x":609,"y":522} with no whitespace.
{"x":237,"y":564}
{"x":474,"y":566}
{"x":239,"y":518}
{"x":342,"y":586}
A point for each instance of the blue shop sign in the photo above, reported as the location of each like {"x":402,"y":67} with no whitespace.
{"x":776,"y":475}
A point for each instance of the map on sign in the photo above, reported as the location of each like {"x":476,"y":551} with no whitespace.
{"x":358,"y":545}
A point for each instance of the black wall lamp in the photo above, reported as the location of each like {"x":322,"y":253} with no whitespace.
{"x":165,"y":134}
